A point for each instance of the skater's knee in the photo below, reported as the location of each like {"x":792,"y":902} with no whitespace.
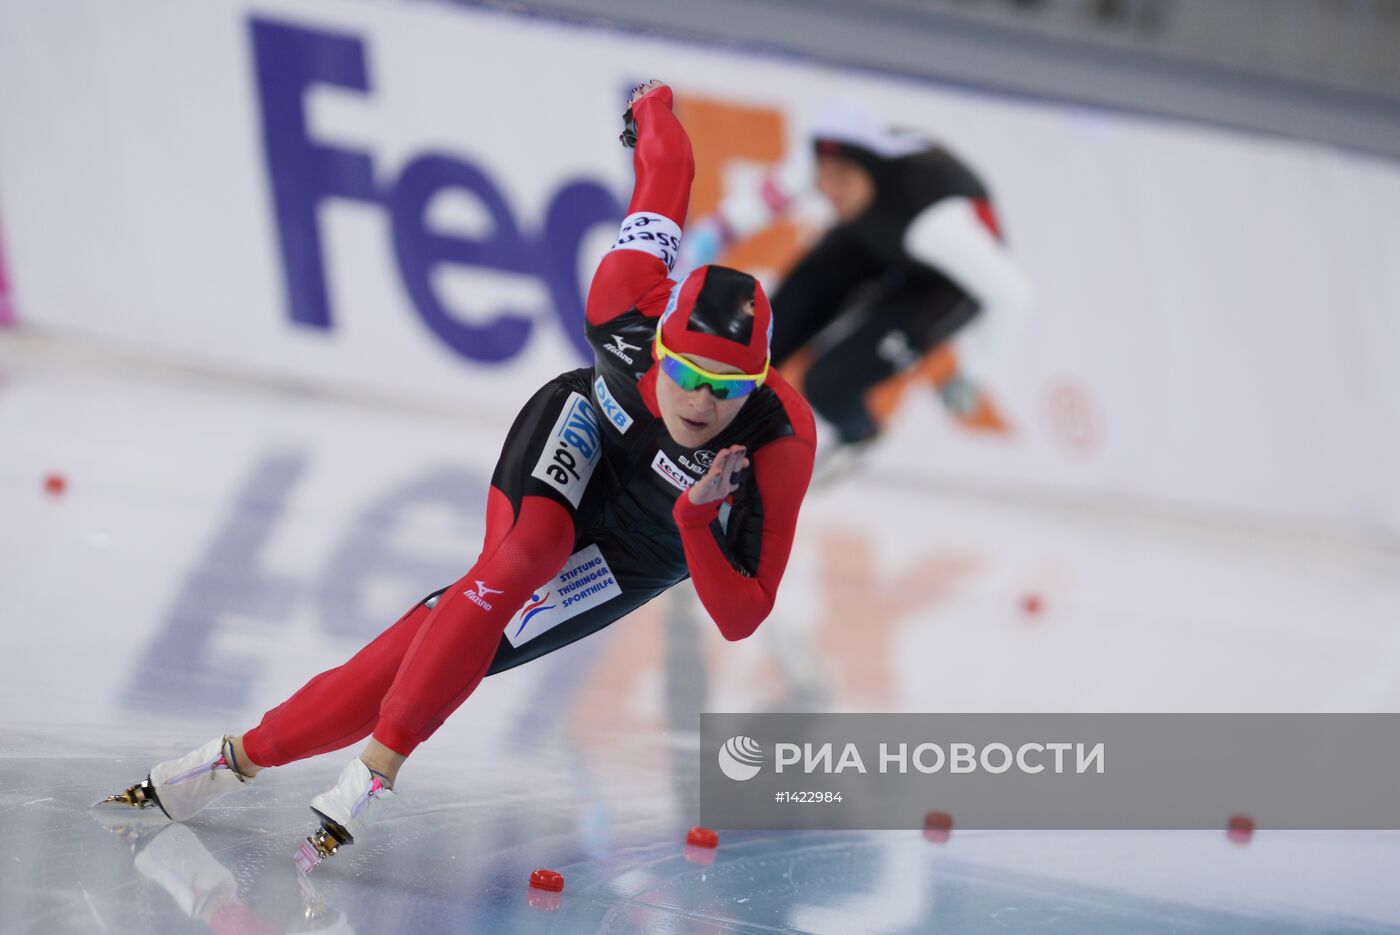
{"x":525,"y":561}
{"x":537,"y":545}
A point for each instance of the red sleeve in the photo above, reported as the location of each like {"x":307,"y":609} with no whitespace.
{"x":662,"y":160}
{"x":664,"y":166}
{"x":626,"y":280}
{"x":736,"y":602}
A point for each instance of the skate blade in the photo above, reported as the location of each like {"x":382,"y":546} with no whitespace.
{"x":307,"y":858}
{"x":139,"y":795}
{"x":324,"y":842}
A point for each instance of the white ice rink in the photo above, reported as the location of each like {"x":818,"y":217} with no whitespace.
{"x":217,"y":542}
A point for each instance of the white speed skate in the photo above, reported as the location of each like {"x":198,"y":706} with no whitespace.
{"x":183,"y":786}
{"x":359,"y":799}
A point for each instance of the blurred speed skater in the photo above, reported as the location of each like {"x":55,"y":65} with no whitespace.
{"x":916,"y":255}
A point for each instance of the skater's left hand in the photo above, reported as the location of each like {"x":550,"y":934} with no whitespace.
{"x":629,"y":123}
{"x":722,"y":479}
{"x":642,"y":90}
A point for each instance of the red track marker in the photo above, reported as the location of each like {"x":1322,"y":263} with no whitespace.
{"x":1240,"y":830}
{"x":702,"y":837}
{"x":549,"y":880}
{"x":938,"y":827}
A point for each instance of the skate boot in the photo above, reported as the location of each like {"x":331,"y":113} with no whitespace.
{"x":183,"y":786}
{"x":357,"y":801}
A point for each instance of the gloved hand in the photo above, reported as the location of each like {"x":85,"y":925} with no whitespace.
{"x":629,"y":122}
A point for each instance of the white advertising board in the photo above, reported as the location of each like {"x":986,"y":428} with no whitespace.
{"x":409,"y":199}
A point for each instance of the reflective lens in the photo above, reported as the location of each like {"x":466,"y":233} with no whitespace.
{"x":689,"y":377}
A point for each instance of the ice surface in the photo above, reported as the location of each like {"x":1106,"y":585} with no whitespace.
{"x":220,"y":542}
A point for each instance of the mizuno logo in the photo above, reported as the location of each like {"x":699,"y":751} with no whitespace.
{"x":619,"y":348}
{"x":478,"y":597}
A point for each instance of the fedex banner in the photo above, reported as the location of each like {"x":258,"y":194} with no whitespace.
{"x":410,"y":199}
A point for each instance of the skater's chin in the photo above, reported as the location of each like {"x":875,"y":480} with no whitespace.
{"x":691,"y":433}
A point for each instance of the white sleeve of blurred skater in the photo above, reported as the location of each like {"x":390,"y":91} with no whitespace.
{"x":755,"y":196}
{"x":949,"y":237}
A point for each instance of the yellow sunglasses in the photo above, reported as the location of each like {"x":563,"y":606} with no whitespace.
{"x":690,"y":377}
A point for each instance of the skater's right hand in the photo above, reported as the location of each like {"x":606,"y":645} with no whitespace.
{"x":723,"y":477}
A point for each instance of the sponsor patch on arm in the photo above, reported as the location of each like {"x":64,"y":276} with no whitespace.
{"x":650,"y":233}
{"x":618,"y":416}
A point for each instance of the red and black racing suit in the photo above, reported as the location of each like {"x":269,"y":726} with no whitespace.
{"x":588,"y":472}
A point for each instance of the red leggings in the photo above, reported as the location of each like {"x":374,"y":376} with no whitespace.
{"x":406,"y":682}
